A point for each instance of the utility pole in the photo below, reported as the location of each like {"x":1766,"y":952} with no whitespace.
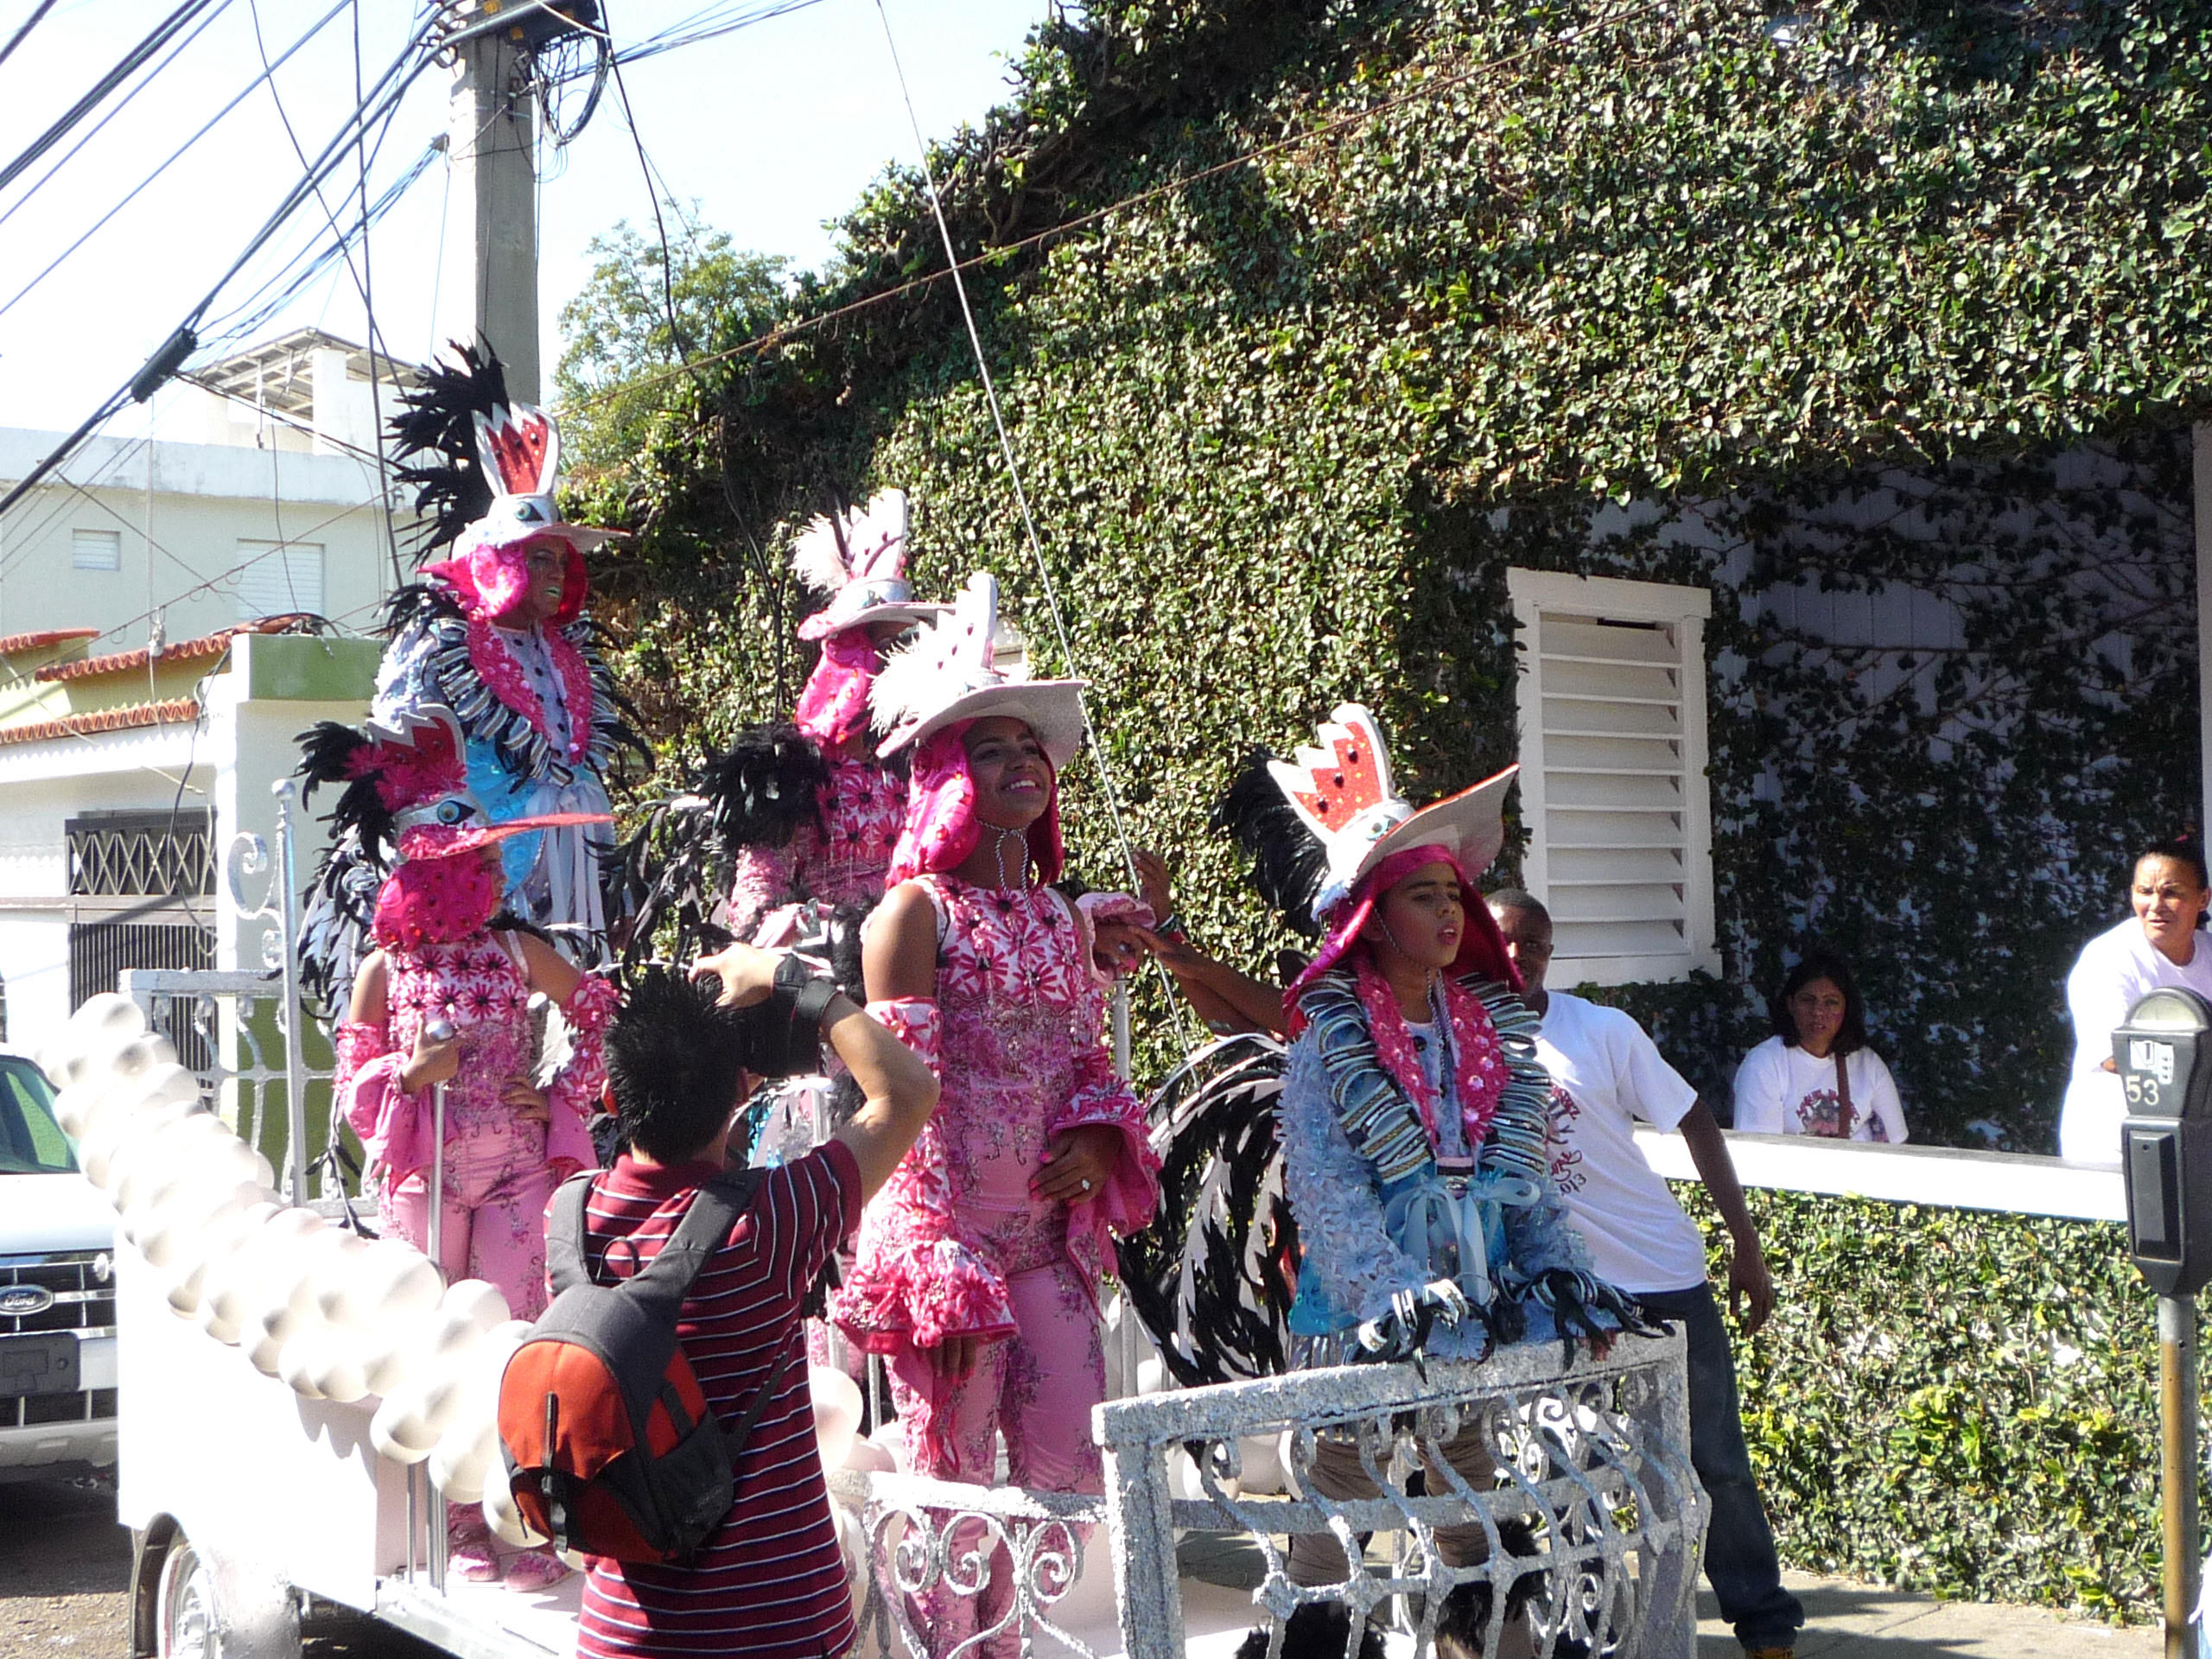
{"x":492,"y":143}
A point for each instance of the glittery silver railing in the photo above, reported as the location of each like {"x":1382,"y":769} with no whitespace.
{"x":1590,"y":1524}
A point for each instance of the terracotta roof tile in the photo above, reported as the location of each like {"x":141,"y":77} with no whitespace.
{"x":11,"y":643}
{"x":172,"y":711}
{"x":184,"y":650}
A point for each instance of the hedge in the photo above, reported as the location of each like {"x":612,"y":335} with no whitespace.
{"x":1959,"y":1402}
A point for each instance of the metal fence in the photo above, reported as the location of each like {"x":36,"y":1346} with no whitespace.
{"x":1584,"y":1528}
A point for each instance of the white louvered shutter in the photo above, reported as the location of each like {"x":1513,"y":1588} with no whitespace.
{"x":1613,"y":786}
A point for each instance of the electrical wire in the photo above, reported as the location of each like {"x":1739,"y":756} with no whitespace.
{"x":29,"y":24}
{"x":268,"y":71}
{"x":132,"y":62}
{"x":99,"y":126}
{"x":1022,"y":499}
{"x":391,"y":87}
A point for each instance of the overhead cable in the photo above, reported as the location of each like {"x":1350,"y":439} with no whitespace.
{"x":29,"y":24}
{"x":392,"y":85}
{"x":268,"y":71}
{"x":132,"y":62}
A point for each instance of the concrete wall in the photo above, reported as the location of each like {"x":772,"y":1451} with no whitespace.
{"x":272,"y":689}
{"x":182,"y":511}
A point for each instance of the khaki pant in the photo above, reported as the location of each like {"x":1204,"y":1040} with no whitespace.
{"x":1316,"y":1558}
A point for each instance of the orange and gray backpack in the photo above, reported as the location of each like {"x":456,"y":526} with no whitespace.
{"x":610,"y":1448}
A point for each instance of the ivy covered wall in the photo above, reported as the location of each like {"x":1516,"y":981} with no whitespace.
{"x":1483,"y":275}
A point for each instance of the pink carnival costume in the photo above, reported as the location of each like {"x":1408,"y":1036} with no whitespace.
{"x":956,"y":1245}
{"x":443,"y":963}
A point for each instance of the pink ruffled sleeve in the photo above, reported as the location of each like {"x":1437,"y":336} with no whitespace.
{"x":1124,"y":1204}
{"x":569,"y":1105}
{"x":914,"y":1281}
{"x":394,"y":1126}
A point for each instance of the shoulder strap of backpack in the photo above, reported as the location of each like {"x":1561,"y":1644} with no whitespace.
{"x":714,"y":1210}
{"x":564,"y":1232}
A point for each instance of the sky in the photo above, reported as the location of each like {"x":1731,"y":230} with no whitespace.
{"x":772,"y":130}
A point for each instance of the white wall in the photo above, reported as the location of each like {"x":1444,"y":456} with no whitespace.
{"x":182,"y":510}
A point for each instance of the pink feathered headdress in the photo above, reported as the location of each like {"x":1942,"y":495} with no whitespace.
{"x":941,"y":827}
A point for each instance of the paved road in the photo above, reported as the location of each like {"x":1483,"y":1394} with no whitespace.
{"x":65,"y":1578}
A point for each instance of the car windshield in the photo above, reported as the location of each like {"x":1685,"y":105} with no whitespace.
{"x":31,"y":1142}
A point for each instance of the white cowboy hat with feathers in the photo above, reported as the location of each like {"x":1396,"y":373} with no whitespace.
{"x":858,"y":559}
{"x":969,"y":664}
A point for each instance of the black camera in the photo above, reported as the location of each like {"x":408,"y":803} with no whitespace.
{"x":783,"y":1032}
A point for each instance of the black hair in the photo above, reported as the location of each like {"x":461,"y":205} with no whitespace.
{"x":1820,"y":963}
{"x":2187,"y":847}
{"x":675,"y":1062}
{"x":1519,"y":899}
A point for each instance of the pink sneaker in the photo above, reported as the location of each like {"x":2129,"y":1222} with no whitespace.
{"x":535,"y":1569}
{"x":469,"y":1554}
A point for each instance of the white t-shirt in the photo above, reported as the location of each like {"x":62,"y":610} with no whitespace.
{"x":1782,"y":1090}
{"x":2114,"y":970}
{"x":1606,"y":1074}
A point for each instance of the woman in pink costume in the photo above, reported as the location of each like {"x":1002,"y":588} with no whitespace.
{"x":979,"y":1267}
{"x":439,"y":962}
{"x":810,"y":811}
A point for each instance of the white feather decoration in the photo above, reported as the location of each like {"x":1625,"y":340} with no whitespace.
{"x":946,"y":660}
{"x":863,"y":543}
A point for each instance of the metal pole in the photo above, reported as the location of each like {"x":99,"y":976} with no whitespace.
{"x":438,"y":1031}
{"x":296,"y":1065}
{"x":492,"y":150}
{"x":2177,"y":1464}
{"x":1121,"y":1027}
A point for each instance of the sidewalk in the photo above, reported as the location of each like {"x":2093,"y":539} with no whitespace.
{"x":1846,"y":1619}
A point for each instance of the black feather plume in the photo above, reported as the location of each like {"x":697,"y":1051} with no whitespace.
{"x":764,"y":787}
{"x":1289,"y":860}
{"x":436,"y":420}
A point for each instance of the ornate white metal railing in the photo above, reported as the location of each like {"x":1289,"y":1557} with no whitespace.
{"x":245,"y":1031}
{"x":1585,"y":1525}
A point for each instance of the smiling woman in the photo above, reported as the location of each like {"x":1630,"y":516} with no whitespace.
{"x":2162,"y":943}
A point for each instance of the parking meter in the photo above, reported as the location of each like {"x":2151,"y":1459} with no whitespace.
{"x":2163,"y":1053}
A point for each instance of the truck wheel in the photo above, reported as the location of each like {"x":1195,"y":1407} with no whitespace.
{"x":184,"y":1606}
{"x":202,"y":1613}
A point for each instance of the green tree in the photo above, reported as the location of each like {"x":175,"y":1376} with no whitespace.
{"x":640,"y":320}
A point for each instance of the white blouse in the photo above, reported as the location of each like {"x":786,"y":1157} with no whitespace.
{"x":1782,"y":1090}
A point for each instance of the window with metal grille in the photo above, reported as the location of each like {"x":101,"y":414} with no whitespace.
{"x":1612,"y":773}
{"x":100,"y":951}
{"x":156,"y":855}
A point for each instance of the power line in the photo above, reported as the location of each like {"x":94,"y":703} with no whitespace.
{"x":391,"y":87}
{"x":997,"y":253}
{"x":132,"y":62}
{"x":29,"y":24}
{"x":268,"y":71}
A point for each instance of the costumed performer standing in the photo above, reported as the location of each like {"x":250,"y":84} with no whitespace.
{"x":810,"y":812}
{"x":1414,"y":1124}
{"x":440,"y":962}
{"x":496,"y":632}
{"x":978,"y":1268}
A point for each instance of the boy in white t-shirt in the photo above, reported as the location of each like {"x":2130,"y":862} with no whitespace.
{"x":1606,"y":1073}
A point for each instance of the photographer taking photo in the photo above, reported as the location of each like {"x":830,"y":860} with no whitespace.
{"x":681,"y":1058}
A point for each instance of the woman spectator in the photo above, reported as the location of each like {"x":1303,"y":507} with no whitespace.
{"x":1815,"y":1075}
{"x":2161,"y":943}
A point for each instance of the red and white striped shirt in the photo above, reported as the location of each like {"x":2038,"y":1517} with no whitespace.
{"x":770,"y":1584}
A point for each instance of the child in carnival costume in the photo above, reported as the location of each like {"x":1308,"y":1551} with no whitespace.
{"x":496,"y":633}
{"x":1413,"y":1114}
{"x":979,"y":1267}
{"x":442,"y":1002}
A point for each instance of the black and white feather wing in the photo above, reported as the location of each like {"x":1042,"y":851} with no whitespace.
{"x":1213,"y":1276}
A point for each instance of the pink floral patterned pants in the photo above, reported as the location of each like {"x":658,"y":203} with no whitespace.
{"x":497,"y":1185}
{"x":1037,"y":1387}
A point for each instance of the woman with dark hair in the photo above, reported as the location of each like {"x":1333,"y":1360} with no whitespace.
{"x":2161,"y":943}
{"x":1815,"y":1075}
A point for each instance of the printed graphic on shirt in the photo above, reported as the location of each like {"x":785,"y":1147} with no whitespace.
{"x":1566,"y":1161}
{"x":1821,"y":1113}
